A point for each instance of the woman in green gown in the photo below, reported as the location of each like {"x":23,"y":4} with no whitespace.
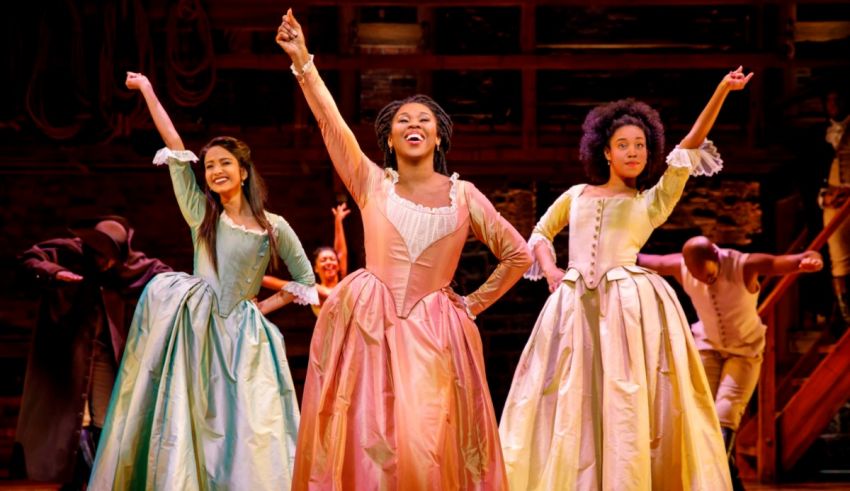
{"x":204,"y":398}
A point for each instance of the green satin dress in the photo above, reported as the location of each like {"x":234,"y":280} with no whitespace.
{"x":204,"y":398}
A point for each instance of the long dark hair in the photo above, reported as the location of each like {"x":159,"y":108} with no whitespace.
{"x":601,"y":123}
{"x":384,"y":124}
{"x":254,"y":191}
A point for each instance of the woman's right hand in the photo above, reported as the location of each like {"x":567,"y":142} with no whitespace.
{"x":340,"y":211}
{"x":136,"y":81}
{"x":554,"y":277}
{"x":290,"y":37}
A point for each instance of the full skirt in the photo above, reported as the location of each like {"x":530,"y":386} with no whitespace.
{"x":610,"y":393}
{"x":395,"y":403}
{"x":202,"y":401}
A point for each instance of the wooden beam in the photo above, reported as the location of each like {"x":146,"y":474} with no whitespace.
{"x":554,"y":61}
{"x":766,"y":444}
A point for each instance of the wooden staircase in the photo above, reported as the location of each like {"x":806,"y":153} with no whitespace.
{"x":803,"y":418}
{"x":793,"y":413}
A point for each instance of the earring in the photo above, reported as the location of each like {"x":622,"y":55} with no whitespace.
{"x":391,"y":150}
{"x":609,"y":163}
{"x":243,"y":182}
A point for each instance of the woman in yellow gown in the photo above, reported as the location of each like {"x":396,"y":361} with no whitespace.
{"x":610,"y":392}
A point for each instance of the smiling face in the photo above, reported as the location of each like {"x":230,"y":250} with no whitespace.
{"x":414,"y":132}
{"x":222,"y":171}
{"x":626,"y":152}
{"x":327,"y":265}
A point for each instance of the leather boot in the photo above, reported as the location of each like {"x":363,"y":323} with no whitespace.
{"x":842,"y":296}
{"x":729,"y":441}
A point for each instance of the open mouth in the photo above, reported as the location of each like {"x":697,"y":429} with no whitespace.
{"x":414,"y":138}
{"x":220,"y":180}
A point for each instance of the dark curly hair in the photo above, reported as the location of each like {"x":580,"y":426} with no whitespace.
{"x":384,"y":123}
{"x":602,"y":121}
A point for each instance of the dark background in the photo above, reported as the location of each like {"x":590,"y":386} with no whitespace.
{"x":517,"y":77}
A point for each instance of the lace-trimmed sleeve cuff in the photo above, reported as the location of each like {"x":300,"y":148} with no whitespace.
{"x":702,"y":161}
{"x":182,"y":156}
{"x":535,"y":272}
{"x":304,"y":295}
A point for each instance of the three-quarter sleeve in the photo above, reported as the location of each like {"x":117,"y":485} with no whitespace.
{"x":681,"y":163}
{"x":191,"y":200}
{"x":289,"y":248}
{"x":354,"y":168}
{"x":557,"y":217}
{"x":505,"y":243}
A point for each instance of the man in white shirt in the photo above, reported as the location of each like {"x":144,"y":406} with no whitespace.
{"x":723,"y":285}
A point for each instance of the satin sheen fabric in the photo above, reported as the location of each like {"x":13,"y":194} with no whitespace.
{"x":610,"y":393}
{"x":204,"y":399}
{"x":396,"y":395}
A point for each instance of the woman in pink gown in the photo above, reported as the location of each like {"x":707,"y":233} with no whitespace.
{"x":396,"y":395}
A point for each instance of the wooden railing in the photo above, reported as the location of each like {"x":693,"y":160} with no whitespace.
{"x":766,"y":448}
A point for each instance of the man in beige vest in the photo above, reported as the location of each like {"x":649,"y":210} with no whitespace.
{"x":723,"y":285}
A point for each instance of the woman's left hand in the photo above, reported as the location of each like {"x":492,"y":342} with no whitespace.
{"x":459,"y":301}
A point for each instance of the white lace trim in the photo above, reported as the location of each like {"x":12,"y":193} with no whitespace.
{"x":702,"y":161}
{"x":229,"y":221}
{"x":420,"y":226}
{"x":165,"y":153}
{"x":452,"y":208}
{"x":535,"y":271}
{"x":304,"y":295}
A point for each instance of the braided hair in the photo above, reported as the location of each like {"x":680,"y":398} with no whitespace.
{"x":601,"y":123}
{"x":384,"y":123}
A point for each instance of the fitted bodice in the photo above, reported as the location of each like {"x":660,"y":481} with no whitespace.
{"x":243,"y":256}
{"x":606,"y":233}
{"x":411,"y":272}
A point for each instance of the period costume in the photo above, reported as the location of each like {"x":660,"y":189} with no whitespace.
{"x":609,"y":392}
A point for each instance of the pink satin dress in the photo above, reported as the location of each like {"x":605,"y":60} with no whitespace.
{"x":396,"y":395}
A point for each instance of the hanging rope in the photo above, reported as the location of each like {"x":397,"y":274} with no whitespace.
{"x":45,"y":79}
{"x":185,"y":73}
{"x":116,"y":59}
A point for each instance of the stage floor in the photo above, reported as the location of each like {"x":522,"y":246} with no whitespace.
{"x":751,"y":486}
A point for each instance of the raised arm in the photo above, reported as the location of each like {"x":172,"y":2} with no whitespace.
{"x":665,"y":265}
{"x":341,"y":248}
{"x":137,"y":81}
{"x":505,"y":242}
{"x":189,"y":196}
{"x":353,"y":167}
{"x":734,"y":80}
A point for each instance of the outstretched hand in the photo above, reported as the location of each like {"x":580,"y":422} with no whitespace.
{"x":810,"y":262}
{"x":340,"y":212}
{"x":136,"y":81}
{"x":68,"y":277}
{"x":290,"y":37}
{"x":736,"y":80}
